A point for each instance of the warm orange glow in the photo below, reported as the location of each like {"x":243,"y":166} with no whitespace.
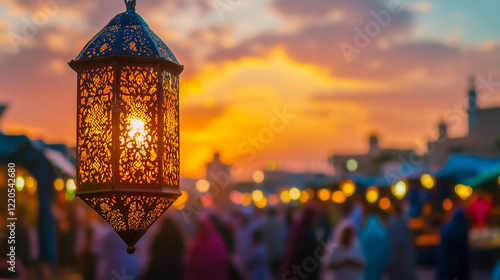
{"x":310,"y":193}
{"x":247,"y":199}
{"x":258,"y":176}
{"x":261,"y":203}
{"x":31,"y":185}
{"x":202,"y":185}
{"x":463,"y":191}
{"x":304,"y":196}
{"x":447,"y":204}
{"x":285,"y":196}
{"x":348,"y":188}
{"x":179,"y":204}
{"x":338,"y":197}
{"x":59,"y":184}
{"x":257,"y":195}
{"x":384,"y":203}
{"x":427,"y":181}
{"x":324,"y":194}
{"x":372,"y":194}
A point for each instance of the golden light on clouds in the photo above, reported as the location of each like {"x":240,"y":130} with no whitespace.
{"x":247,"y":92}
{"x":240,"y":72}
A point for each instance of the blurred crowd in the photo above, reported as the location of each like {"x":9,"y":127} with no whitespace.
{"x":308,"y":242}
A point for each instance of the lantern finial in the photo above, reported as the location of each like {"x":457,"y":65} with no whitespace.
{"x":130,"y":5}
{"x":128,"y":125}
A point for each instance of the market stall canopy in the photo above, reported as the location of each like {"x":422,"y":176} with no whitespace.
{"x":462,"y":167}
{"x":489,"y":176}
{"x":32,"y":155}
{"x":367,"y":181}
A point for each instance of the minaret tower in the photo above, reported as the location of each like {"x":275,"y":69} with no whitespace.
{"x":472,"y":110}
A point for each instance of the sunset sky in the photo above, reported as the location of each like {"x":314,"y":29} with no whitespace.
{"x":248,"y":63}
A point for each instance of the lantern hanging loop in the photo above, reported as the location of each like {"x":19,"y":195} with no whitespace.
{"x":130,"y":4}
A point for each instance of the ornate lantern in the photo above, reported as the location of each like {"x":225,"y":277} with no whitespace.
{"x":128,"y":125}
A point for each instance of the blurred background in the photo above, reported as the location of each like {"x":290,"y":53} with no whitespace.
{"x":327,"y":139}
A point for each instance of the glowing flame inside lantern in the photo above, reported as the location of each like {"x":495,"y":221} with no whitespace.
{"x":137,"y":130}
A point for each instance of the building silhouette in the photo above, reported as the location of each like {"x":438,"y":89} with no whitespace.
{"x":483,"y":138}
{"x":374,"y":162}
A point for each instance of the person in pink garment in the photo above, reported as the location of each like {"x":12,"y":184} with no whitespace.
{"x":208,"y":258}
{"x":479,"y":211}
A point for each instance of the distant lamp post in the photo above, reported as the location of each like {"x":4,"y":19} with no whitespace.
{"x":127,"y":125}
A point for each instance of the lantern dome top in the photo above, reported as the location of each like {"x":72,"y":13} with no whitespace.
{"x":127,"y":34}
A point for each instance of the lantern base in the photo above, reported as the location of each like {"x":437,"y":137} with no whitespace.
{"x":130,"y":214}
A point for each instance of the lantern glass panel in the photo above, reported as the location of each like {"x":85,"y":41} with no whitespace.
{"x":94,"y":125}
{"x":170,"y":128}
{"x":138,"y":103}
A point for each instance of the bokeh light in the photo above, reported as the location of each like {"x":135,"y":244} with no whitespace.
{"x":70,"y":186}
{"x":207,"y":201}
{"x":258,"y":176}
{"x":257,"y":195}
{"x":304,"y":196}
{"x":30,"y":181}
{"x":351,"y":165}
{"x":399,"y":189}
{"x":294,"y":193}
{"x":181,"y":201}
{"x":447,"y":204}
{"x":31,"y":184}
{"x":202,"y":186}
{"x":19,"y":183}
{"x":324,"y":194}
{"x":384,"y":203}
{"x":261,"y":203}
{"x":427,"y":181}
{"x":348,"y":188}
{"x":59,"y":184}
{"x":463,"y":191}
{"x":285,"y":196}
{"x":372,"y":194}
{"x":236,"y":197}
{"x":338,"y":197}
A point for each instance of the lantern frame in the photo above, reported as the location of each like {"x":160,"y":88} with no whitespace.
{"x":117,"y":201}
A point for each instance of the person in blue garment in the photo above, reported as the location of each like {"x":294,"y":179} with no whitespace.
{"x":453,"y":251}
{"x":401,"y":260}
{"x":256,"y":262}
{"x":376,"y":245}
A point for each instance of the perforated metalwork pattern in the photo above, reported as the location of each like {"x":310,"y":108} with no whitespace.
{"x":94,"y":143}
{"x":138,"y":125}
{"x":127,"y":34}
{"x":128,"y":214}
{"x":170,"y":128}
